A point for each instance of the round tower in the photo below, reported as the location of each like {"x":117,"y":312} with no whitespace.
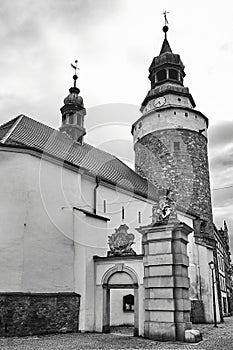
{"x":170,"y":138}
{"x":73,"y":112}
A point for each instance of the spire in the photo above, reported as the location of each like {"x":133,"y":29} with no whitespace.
{"x":73,"y":112}
{"x":165,"y":47}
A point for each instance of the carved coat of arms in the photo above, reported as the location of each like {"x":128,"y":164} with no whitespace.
{"x":121,"y":241}
{"x":164,"y":211}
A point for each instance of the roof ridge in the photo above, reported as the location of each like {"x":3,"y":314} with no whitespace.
{"x":12,"y":128}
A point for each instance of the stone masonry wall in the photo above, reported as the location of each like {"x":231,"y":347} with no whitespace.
{"x":27,"y":314}
{"x":185,"y":171}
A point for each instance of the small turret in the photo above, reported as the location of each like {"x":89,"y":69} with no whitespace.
{"x":73,"y":112}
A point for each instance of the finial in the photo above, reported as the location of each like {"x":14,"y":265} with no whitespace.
{"x":165,"y":27}
{"x":75,"y":77}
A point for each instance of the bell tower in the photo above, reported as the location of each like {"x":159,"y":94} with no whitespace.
{"x":170,"y":137}
{"x":73,"y":112}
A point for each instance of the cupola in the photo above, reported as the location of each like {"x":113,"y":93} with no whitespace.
{"x":73,"y":112}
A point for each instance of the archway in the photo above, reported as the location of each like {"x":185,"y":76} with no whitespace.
{"x":119,"y":277}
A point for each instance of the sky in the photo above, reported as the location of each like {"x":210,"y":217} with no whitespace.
{"x":115,"y":42}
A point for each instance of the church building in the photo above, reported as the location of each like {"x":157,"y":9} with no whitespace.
{"x":71,"y":245}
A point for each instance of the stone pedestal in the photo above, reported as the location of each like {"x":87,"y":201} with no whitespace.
{"x":166,"y":282}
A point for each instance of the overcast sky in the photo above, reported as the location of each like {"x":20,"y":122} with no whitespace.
{"x":115,"y":42}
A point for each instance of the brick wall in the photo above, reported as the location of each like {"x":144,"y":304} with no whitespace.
{"x":27,"y":314}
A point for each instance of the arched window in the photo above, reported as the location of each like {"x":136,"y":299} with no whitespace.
{"x":162,"y":75}
{"x":173,"y":74}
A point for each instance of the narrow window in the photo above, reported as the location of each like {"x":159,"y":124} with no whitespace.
{"x":186,"y":114}
{"x":123,"y":213}
{"x":105,"y":206}
{"x":176,"y":146}
{"x":174,"y":113}
{"x":139,"y":217}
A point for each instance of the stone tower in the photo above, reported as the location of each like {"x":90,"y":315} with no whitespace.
{"x":170,"y":138}
{"x":73,"y":113}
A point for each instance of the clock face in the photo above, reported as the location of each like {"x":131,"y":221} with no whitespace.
{"x":156,"y":103}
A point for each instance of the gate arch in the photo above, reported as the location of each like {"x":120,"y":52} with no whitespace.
{"x":119,"y":277}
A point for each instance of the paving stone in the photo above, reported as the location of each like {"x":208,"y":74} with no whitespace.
{"x":213,"y":339}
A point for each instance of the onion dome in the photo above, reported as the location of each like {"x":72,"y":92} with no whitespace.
{"x":73,"y":112}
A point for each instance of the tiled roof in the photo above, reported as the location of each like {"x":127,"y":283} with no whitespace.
{"x":29,"y":133}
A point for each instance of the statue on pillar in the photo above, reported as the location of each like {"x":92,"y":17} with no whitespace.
{"x":164,"y":211}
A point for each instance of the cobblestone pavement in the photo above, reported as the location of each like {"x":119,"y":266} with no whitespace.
{"x":213,"y":339}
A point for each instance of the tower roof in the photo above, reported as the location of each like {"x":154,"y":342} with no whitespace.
{"x":165,"y":47}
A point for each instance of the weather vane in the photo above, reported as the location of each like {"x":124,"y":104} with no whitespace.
{"x":74,"y":66}
{"x":165,"y":17}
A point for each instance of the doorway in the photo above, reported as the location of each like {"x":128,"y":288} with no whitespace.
{"x":120,"y":290}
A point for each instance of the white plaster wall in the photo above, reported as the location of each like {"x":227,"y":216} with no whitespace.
{"x":115,"y":199}
{"x":165,"y":119}
{"x":90,"y":240}
{"x":36,"y":243}
{"x":205,"y":255}
{"x":118,"y":317}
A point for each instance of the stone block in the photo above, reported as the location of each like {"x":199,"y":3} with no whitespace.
{"x":160,"y":247}
{"x":182,"y":316}
{"x":161,"y":270}
{"x":183,"y":304}
{"x":159,"y":281}
{"x":179,"y":247}
{"x":159,"y":293}
{"x":180,"y":293}
{"x":158,"y":259}
{"x":161,"y":331}
{"x":159,"y":316}
{"x":160,"y":304}
{"x":180,"y":270}
{"x":192,"y":336}
{"x":159,"y":235}
{"x":182,"y":259}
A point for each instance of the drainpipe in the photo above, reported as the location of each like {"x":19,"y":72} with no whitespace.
{"x":97,"y":180}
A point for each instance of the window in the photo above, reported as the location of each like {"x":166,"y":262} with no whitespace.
{"x":161,"y":75}
{"x":128,"y":303}
{"x":186,"y":114}
{"x":174,"y":113}
{"x":176,"y":146}
{"x":173,"y":74}
{"x":71,"y":119}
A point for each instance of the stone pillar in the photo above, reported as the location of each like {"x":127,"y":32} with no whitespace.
{"x":166,"y":282}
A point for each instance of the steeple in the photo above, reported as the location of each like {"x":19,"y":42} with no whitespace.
{"x":166,"y":75}
{"x":73,"y":112}
{"x":165,"y":47}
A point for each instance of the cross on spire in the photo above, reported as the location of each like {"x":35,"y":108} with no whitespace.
{"x":165,"y":17}
{"x":74,"y":66}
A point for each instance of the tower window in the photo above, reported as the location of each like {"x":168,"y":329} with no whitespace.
{"x":174,"y":113}
{"x":176,"y":146}
{"x":158,"y":115}
{"x":140,"y":125}
{"x":186,"y":114}
{"x":173,"y":74}
{"x":71,"y":119}
{"x":161,"y":75}
{"x":179,"y":99}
